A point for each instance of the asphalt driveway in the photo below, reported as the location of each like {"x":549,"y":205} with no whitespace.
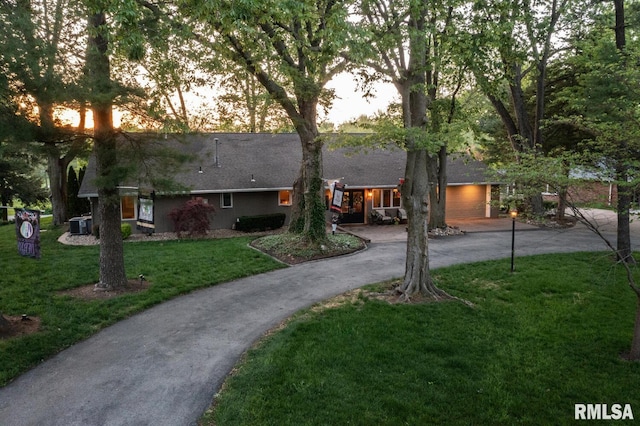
{"x":163,"y":366}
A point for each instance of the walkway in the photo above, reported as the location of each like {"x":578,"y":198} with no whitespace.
{"x":163,"y":366}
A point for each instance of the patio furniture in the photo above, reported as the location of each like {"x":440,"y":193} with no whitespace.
{"x":402,"y":215}
{"x":380,"y":216}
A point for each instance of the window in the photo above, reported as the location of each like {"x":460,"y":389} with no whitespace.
{"x":128,"y":207}
{"x":284,"y":198}
{"x":226,"y":200}
{"x":386,"y":198}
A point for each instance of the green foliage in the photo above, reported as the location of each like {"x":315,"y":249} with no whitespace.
{"x":293,"y":48}
{"x":76,"y":206}
{"x":510,"y":359}
{"x":289,"y":246}
{"x":607,"y":96}
{"x":125,"y":230}
{"x":317,"y":228}
{"x":246,"y":106}
{"x":260,"y":222}
{"x":18,"y":174}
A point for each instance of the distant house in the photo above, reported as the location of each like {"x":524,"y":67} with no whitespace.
{"x":253,"y":174}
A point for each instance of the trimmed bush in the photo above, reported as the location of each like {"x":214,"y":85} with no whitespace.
{"x":125,"y":230}
{"x":261,"y":222}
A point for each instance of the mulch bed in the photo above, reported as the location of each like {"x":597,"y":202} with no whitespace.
{"x":91,"y":292}
{"x":19,"y":326}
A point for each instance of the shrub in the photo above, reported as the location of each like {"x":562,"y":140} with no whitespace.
{"x":125,"y":230}
{"x":192,"y":217}
{"x":260,"y":223}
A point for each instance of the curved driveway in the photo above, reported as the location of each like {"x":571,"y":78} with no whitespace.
{"x":163,"y":366}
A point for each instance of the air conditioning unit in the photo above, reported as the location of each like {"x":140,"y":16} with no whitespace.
{"x":80,"y":225}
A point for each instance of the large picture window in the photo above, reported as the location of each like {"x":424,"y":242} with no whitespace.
{"x":386,"y":198}
{"x":128,"y":207}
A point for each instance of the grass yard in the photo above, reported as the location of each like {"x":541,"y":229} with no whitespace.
{"x":29,"y":286}
{"x":535,"y":343}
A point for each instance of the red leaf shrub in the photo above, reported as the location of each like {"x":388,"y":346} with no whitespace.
{"x":192,"y":217}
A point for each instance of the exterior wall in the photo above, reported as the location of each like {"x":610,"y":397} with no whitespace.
{"x":589,"y":192}
{"x":466,"y":202}
{"x":463,"y":202}
{"x":243,"y":204}
{"x":246,"y":204}
{"x":594,"y":192}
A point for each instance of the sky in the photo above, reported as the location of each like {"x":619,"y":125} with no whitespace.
{"x":348,"y":105}
{"x":351,"y":104}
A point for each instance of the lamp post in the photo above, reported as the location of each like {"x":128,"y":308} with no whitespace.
{"x":514,"y":214}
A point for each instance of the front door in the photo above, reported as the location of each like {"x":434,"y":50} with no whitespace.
{"x":353,"y":206}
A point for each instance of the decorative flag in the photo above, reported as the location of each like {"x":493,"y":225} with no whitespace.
{"x":336,"y":201}
{"x":28,"y":232}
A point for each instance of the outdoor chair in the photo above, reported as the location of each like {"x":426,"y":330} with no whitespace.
{"x":381,"y":217}
{"x":402,"y":215}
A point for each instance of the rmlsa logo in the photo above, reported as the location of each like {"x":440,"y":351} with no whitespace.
{"x":603,"y":412}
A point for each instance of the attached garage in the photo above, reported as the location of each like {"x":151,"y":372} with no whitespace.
{"x":467,"y":201}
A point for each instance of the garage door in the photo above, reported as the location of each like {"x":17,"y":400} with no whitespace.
{"x":466,"y":202}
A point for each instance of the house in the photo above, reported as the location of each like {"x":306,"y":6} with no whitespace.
{"x":253,"y":174}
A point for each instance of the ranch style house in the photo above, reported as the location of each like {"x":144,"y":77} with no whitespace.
{"x":249,"y":174}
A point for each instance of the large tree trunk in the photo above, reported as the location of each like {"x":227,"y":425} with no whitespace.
{"x":415,"y":188}
{"x":314,"y":212}
{"x":57,"y":178}
{"x":437,"y":167}
{"x":623,"y":243}
{"x":415,"y":194}
{"x":112,"y":271}
{"x":622,"y":172}
{"x":56,"y":169}
{"x":308,"y":217}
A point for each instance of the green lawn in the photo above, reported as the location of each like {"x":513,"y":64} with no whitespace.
{"x":29,"y":286}
{"x":536,"y":343}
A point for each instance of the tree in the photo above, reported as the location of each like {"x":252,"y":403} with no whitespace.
{"x":510,"y":45}
{"x":18,"y":179}
{"x":42,"y":61}
{"x":109,"y":174}
{"x":293,"y":49}
{"x":410,"y":42}
{"x":607,"y":98}
{"x":551,"y":171}
{"x":168,"y":66}
{"x":115,"y":30}
{"x":18,"y":164}
{"x":75,"y":205}
{"x":602,"y":103}
{"x":245,"y":106}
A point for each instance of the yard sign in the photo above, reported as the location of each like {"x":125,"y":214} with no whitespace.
{"x":28,"y":232}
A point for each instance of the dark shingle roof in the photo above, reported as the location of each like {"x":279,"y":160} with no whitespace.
{"x":273,"y":161}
